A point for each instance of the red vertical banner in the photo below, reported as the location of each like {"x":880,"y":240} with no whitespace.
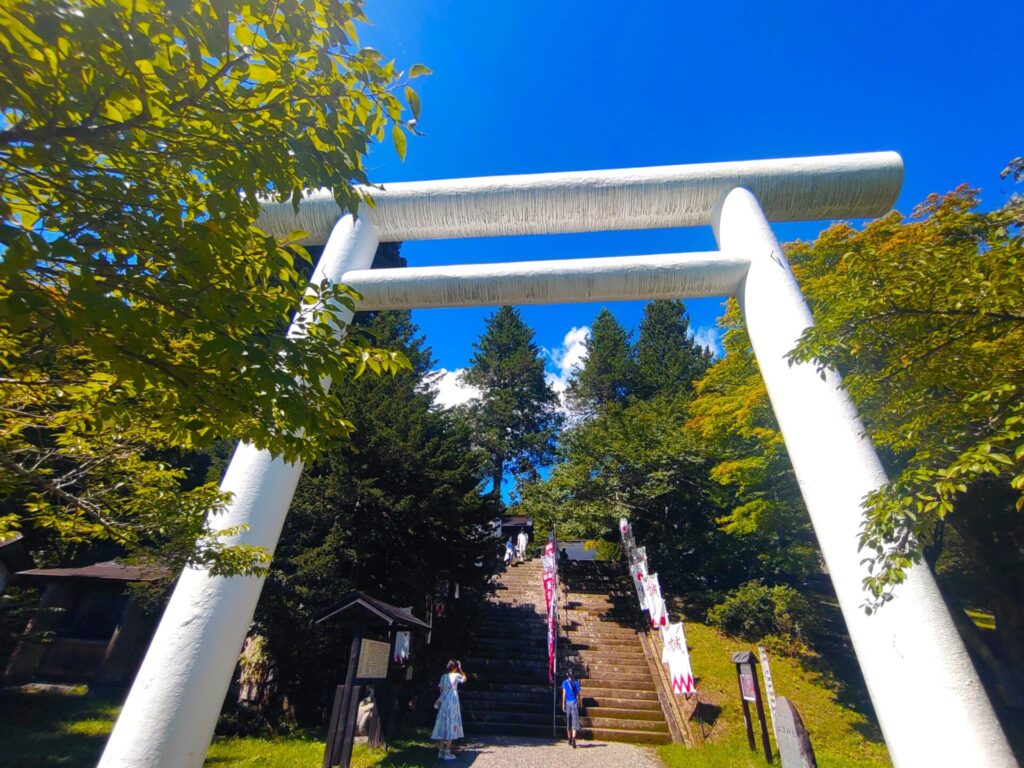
{"x":550,"y":579}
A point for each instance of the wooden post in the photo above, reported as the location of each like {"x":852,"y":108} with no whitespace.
{"x":332,"y":728}
{"x":338,"y":750}
{"x":760,"y":717}
{"x":348,"y":733}
{"x":746,"y":678}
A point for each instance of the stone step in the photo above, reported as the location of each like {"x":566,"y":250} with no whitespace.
{"x":591,"y":701}
{"x":624,"y":652}
{"x":624,"y":713}
{"x":619,"y":682}
{"x":480,"y":664}
{"x":496,"y":648}
{"x":607,"y":644}
{"x":623,"y":724}
{"x":499,"y":696}
{"x":628,"y":661}
{"x":600,"y":629}
{"x":630,"y":736}
{"x":600,"y":619}
{"x":519,"y":718}
{"x":519,"y":626}
{"x":521,"y":634}
{"x":615,"y":671}
{"x":506,"y":609}
{"x":603,"y":636}
{"x":497,"y":704}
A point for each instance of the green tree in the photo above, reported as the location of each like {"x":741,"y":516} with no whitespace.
{"x":388,"y":514}
{"x":923,"y":316}
{"x":608,"y":373}
{"x":733,"y":419}
{"x":516,"y":418}
{"x":668,"y":360}
{"x":637,"y":461}
{"x":141,"y":306}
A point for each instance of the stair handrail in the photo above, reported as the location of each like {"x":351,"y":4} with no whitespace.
{"x":650,"y":641}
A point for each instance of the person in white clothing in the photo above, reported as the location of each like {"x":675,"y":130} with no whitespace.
{"x":448,"y":725}
{"x":521,"y":541}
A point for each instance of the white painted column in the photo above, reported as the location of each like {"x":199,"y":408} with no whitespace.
{"x":171,"y":711}
{"x":931,"y":706}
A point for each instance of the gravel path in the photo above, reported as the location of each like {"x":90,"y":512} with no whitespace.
{"x":515,"y":752}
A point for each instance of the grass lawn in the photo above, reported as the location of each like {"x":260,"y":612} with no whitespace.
{"x":46,"y":729}
{"x":841,"y":736}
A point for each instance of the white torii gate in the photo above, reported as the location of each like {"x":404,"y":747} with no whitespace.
{"x":931,"y":706}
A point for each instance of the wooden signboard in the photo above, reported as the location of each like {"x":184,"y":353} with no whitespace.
{"x":374,"y":657}
{"x":791,"y":737}
{"x":750,"y":691}
{"x":747,"y":683}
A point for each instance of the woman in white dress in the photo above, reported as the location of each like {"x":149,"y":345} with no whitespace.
{"x":449,"y":714}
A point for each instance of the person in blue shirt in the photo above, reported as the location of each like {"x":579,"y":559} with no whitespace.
{"x":571,"y":705}
{"x":510,"y":552}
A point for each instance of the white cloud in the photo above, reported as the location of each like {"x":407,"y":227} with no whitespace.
{"x":449,"y":389}
{"x":709,"y":337}
{"x":567,"y":357}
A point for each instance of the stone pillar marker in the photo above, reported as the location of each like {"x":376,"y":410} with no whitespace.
{"x":791,"y":737}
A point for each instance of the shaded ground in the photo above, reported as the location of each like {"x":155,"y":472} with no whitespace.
{"x":49,"y":729}
{"x":44,"y":729}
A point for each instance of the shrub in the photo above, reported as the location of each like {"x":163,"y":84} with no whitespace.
{"x":603,"y":550}
{"x":755,"y":612}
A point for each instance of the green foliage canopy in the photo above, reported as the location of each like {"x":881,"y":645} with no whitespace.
{"x":608,"y":374}
{"x":733,"y":420}
{"x":389,"y":514}
{"x":922,"y":316}
{"x":668,"y":360}
{"x":516,"y":418}
{"x":925,"y":319}
{"x":140,"y":305}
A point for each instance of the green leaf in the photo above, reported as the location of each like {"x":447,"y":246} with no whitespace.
{"x":413,"y":100}
{"x":399,"y":139}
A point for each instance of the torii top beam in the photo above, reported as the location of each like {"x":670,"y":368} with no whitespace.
{"x":791,"y":189}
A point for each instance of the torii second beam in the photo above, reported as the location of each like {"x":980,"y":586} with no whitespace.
{"x":618,"y":278}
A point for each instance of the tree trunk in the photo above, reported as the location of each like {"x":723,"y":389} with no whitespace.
{"x":497,"y":473}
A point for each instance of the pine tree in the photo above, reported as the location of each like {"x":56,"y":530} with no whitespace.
{"x":668,"y":360}
{"x":609,"y":371}
{"x":516,"y":419}
{"x":401,"y":510}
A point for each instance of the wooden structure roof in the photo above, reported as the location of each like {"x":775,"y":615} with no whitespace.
{"x":108,"y":571}
{"x":357,"y":605}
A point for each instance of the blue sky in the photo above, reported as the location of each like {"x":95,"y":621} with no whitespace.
{"x":526,"y":87}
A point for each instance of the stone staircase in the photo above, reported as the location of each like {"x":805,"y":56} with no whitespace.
{"x":599,"y":617}
{"x":508,"y":691}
